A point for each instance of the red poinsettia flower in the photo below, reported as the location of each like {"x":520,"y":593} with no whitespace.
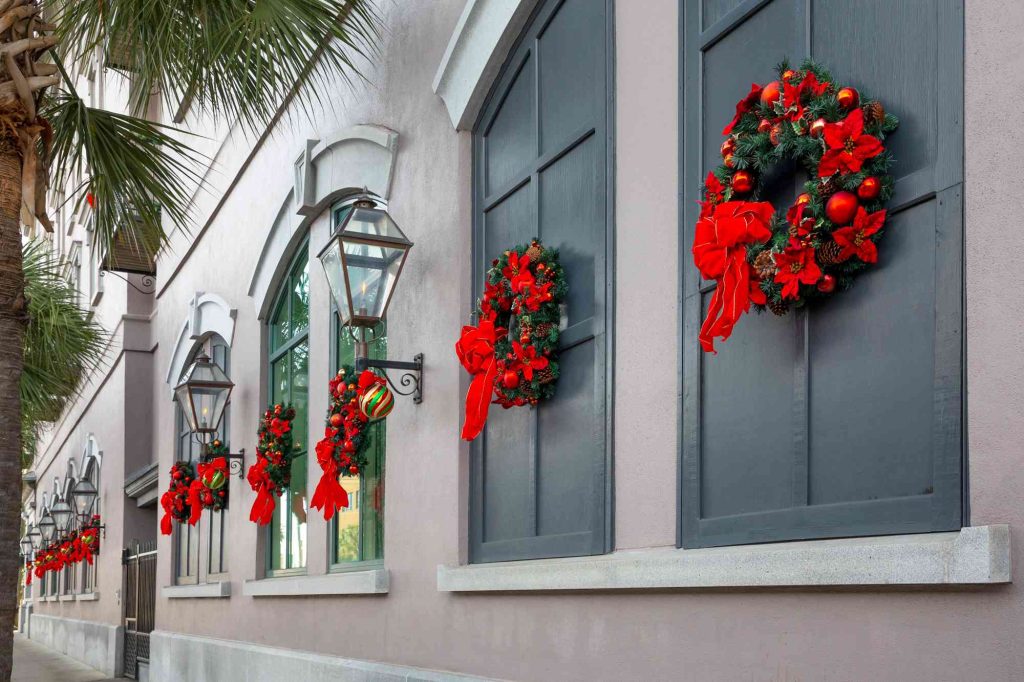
{"x":713,"y":195}
{"x":279,"y":427}
{"x":791,"y":95}
{"x":522,"y":281}
{"x":848,"y":146}
{"x":743,"y":106}
{"x":526,"y":359}
{"x":756,"y":295}
{"x":515,"y":264}
{"x":796,"y":266}
{"x":854,"y":239}
{"x":812,"y":86}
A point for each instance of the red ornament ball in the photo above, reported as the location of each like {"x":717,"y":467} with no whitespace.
{"x":742,"y":181}
{"x":729,"y":161}
{"x":827,"y":284}
{"x":841,"y":208}
{"x":353,"y":469}
{"x":220,"y":493}
{"x":728,"y":146}
{"x":771,"y":93}
{"x":848,"y":98}
{"x":869,"y":189}
{"x":510,"y":379}
{"x":348,"y":445}
{"x":817,"y":127}
{"x":336,"y":420}
{"x":804,"y":198}
{"x":764,"y":126}
{"x":788,"y":74}
{"x":176,"y":475}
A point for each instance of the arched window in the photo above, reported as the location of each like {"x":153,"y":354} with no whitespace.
{"x":189,"y":544}
{"x":91,"y":472}
{"x":288,"y":372}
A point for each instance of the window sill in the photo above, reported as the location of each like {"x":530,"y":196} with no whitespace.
{"x":67,"y":597}
{"x":977,"y":555}
{"x":89,"y":596}
{"x":201,"y":591}
{"x":351,"y":582}
{"x":50,"y":598}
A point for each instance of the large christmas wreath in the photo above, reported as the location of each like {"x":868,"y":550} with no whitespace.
{"x":342,"y":450}
{"x":815,"y":248}
{"x":209,"y":490}
{"x":512,"y":353}
{"x":271,"y":475}
{"x":175,"y":500}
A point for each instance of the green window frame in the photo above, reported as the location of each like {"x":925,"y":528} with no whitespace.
{"x":288,"y":376}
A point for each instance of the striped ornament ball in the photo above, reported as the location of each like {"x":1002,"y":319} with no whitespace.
{"x":377,"y":402}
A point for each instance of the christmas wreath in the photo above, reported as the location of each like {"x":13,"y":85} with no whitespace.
{"x":512,"y":353}
{"x":272,"y":472}
{"x":209,"y":489}
{"x":88,"y":543}
{"x":342,"y":450}
{"x":175,"y":500}
{"x":778,"y":260}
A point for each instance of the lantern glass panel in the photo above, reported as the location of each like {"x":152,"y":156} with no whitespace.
{"x":47,"y":527}
{"x":84,"y":494}
{"x":26,"y":546}
{"x":203,"y":395}
{"x":36,"y":536}
{"x":62,"y":514}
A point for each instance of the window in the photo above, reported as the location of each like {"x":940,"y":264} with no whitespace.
{"x":845,"y":418}
{"x":188,"y":539}
{"x":73,"y":268}
{"x":358,"y":530}
{"x":92,"y":473}
{"x":540,"y":479}
{"x":289,"y":384}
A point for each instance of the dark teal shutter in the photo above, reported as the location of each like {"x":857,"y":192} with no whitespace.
{"x":844,"y":419}
{"x":539,"y":478}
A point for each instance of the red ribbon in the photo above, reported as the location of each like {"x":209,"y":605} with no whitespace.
{"x":475,"y":349}
{"x":167,"y":502}
{"x":329,"y":496}
{"x":262,"y":511}
{"x":720,"y":253}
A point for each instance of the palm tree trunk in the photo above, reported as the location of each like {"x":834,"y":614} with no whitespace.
{"x":12,"y":327}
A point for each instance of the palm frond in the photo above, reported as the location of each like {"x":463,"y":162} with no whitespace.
{"x":232,"y":58}
{"x":62,"y":343}
{"x":137,"y":171}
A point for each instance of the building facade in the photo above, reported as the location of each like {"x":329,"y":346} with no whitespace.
{"x":834,"y":495}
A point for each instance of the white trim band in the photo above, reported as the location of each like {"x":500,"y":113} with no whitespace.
{"x":374,"y":581}
{"x":214,"y":590}
{"x":972,"y":556}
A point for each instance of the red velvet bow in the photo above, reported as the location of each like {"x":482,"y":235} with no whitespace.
{"x":720,"y":253}
{"x":475,"y":349}
{"x":329,"y":495}
{"x":167,"y":502}
{"x":263,"y":506}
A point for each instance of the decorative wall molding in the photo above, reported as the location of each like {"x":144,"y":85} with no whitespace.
{"x":483,"y":38}
{"x":208,"y":314}
{"x":342,"y":163}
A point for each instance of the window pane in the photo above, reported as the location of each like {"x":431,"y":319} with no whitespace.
{"x":280,"y":387}
{"x":359,"y":528}
{"x":300,"y":300}
{"x":280,"y":326}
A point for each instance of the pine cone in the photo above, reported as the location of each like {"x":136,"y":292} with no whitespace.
{"x":778,"y":307}
{"x":544,"y":330}
{"x":828,"y":253}
{"x":545,"y":376}
{"x":827,"y":187}
{"x":874,"y":112}
{"x":764,"y":264}
{"x":534,"y":252}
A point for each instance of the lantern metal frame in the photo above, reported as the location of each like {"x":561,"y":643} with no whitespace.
{"x":35,"y":536}
{"x":236,"y":460}
{"x":412,"y":378}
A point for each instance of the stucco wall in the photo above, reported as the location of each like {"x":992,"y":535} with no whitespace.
{"x":701,"y":635}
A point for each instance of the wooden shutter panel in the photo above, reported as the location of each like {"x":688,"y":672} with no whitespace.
{"x":539,"y":477}
{"x":844,"y":419}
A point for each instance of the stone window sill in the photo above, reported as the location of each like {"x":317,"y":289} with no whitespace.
{"x":977,"y":555}
{"x":88,"y":596}
{"x":374,"y":581}
{"x":215,"y":590}
{"x":67,"y":597}
{"x":50,"y":598}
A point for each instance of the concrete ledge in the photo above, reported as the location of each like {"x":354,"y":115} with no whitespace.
{"x":375,"y":581}
{"x":89,"y":596}
{"x":177,"y":657}
{"x":96,"y":644}
{"x":972,"y":556}
{"x":66,"y":597}
{"x":201,"y":591}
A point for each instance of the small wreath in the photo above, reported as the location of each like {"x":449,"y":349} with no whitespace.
{"x":829,"y":234}
{"x":89,"y":540}
{"x":210,"y":488}
{"x":342,"y":450}
{"x":271,"y":475}
{"x":175,"y":500}
{"x":512,"y":353}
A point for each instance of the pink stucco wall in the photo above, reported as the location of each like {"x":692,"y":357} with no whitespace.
{"x":842,"y":634}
